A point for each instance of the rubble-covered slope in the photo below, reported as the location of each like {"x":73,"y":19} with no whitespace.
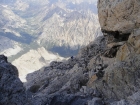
{"x":65,"y":83}
{"x":109,"y":80}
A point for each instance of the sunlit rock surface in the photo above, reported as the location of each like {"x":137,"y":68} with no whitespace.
{"x":34,"y":60}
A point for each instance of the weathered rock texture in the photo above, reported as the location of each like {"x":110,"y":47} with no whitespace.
{"x":120,"y":23}
{"x":12,"y":91}
{"x":119,"y":83}
{"x":106,"y":72}
{"x":119,"y":15}
{"x":89,"y":78}
{"x":65,"y":83}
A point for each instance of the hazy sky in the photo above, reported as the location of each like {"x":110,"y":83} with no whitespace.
{"x":77,"y":1}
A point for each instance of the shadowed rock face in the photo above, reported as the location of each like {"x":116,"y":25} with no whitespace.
{"x":12,"y":91}
{"x":3,"y":59}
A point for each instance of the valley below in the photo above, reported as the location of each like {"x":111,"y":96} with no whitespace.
{"x":36,"y":32}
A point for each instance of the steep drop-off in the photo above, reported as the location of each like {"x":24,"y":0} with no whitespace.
{"x":59,"y":26}
{"x":106,"y":72}
{"x":51,"y":24}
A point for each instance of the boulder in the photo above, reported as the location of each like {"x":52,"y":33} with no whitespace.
{"x":130,"y":48}
{"x":121,"y":79}
{"x":119,"y":15}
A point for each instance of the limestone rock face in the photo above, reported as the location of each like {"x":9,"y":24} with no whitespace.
{"x":119,"y":15}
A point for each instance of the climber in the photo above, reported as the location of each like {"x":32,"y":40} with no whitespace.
{"x":72,"y":58}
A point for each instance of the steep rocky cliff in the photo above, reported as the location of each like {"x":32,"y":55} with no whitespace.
{"x":106,"y":72}
{"x":65,"y":83}
{"x":119,"y":21}
{"x":119,"y":15}
{"x":111,"y":63}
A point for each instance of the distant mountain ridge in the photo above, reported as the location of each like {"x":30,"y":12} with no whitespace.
{"x":53,"y":23}
{"x":61,"y":27}
{"x":105,"y":72}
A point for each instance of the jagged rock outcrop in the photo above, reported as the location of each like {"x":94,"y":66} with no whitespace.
{"x":120,"y":82}
{"x":118,"y":21}
{"x":12,"y":91}
{"x":106,"y":72}
{"x":89,"y":76}
{"x":119,"y":15}
{"x":66,"y":82}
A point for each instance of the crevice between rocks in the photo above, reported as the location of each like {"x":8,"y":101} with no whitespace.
{"x":114,"y":40}
{"x":118,"y":35}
